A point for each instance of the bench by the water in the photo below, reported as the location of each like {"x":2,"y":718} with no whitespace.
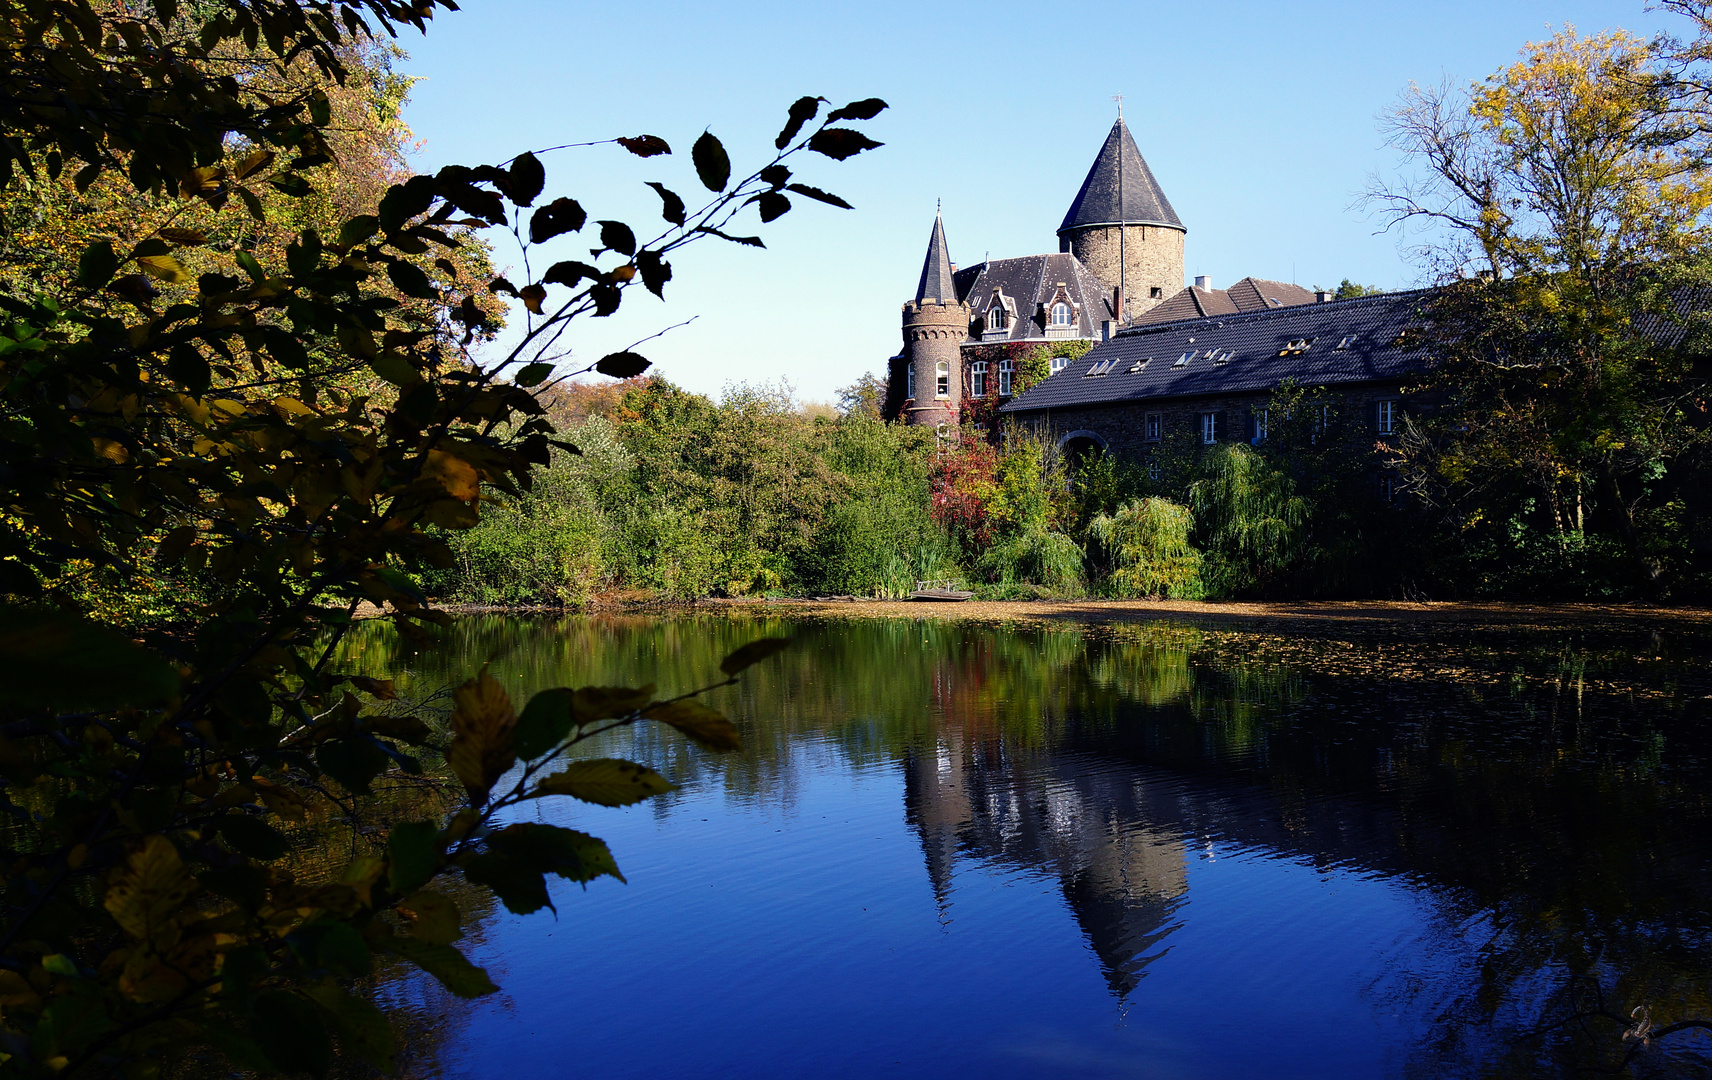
{"x":939,"y":590}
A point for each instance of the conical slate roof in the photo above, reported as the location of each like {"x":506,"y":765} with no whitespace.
{"x":936,"y":269}
{"x":1098,"y":202}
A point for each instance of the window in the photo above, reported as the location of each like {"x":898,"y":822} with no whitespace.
{"x":1007,"y":370}
{"x":1058,"y":363}
{"x":1101,"y":367}
{"x":1322,"y":421}
{"x":1185,"y":358}
{"x":1156,"y":293}
{"x":1209,"y":428}
{"x":1153,"y":469}
{"x":1061,"y":314}
{"x":1388,"y":488}
{"x":1260,"y":417}
{"x":1150,"y":427}
{"x":909,"y":380}
{"x":978,"y":378}
{"x":942,"y":379}
{"x":997,"y":317}
{"x":1387,"y":417}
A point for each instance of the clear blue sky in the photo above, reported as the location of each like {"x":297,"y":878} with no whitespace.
{"x":1258,"y":118}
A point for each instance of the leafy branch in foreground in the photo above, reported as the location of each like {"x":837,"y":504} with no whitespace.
{"x":183,"y":406}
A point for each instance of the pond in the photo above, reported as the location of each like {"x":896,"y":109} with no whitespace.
{"x":1138,"y":850}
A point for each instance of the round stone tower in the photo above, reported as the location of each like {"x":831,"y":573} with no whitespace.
{"x":1123,"y":229}
{"x":935,"y":325}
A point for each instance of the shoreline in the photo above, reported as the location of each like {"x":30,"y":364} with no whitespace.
{"x":1322,"y":614}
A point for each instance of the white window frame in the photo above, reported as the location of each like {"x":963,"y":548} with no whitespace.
{"x":1059,"y":363}
{"x":997,"y":317}
{"x":909,"y":380}
{"x":1152,"y":426}
{"x":1387,"y":417}
{"x":1209,"y":428}
{"x":978,"y":378}
{"x":1061,"y":314}
{"x":942,"y":379}
{"x":1007,"y":377}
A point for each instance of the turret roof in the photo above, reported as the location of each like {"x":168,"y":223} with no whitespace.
{"x":1120,"y":166}
{"x":936,"y":281}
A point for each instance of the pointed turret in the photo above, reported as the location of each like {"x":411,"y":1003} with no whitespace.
{"x":1123,"y":229}
{"x":936,"y":268}
{"x":1120,"y":189}
{"x":928,"y":378}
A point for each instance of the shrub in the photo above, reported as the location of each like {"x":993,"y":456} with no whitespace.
{"x":1145,"y":545}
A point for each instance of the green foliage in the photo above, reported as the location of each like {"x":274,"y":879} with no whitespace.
{"x":1145,"y":547}
{"x":292,"y":428}
{"x":1348,"y":290}
{"x":1249,"y":520}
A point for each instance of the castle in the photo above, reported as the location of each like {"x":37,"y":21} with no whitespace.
{"x":1119,"y":263}
{"x":1165,"y":358}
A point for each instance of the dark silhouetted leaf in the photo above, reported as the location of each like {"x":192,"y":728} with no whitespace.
{"x":332,"y":946}
{"x":361,"y":1028}
{"x":644,"y":145}
{"x":712,"y":163}
{"x":802,"y":111}
{"x":544,"y":723}
{"x":554,"y":850}
{"x":617,"y":236}
{"x":253,"y":837}
{"x":672,"y":206}
{"x":409,"y":279}
{"x":621,"y":365}
{"x":445,"y":963}
{"x":501,"y":285}
{"x":709,"y":727}
{"x":527,"y":178}
{"x":96,"y":265}
{"x":532,"y":374}
{"x":772,"y":205}
{"x":412,"y":855}
{"x":866,"y":109}
{"x":823,"y":196}
{"x":560,"y":216}
{"x":606,"y":299}
{"x":775,"y":175}
{"x":753,"y":653}
{"x":605,"y":782}
{"x":353,"y":762}
{"x":433,"y":917}
{"x":520,"y":886}
{"x":405,"y":201}
{"x":655,"y":271}
{"x":188,"y":369}
{"x":49,"y":659}
{"x":569,"y":273}
{"x":841,"y":143}
{"x":532,"y":297}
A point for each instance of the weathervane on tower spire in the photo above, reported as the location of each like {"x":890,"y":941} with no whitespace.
{"x":1119,"y":99}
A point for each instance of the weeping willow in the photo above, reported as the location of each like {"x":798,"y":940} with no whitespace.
{"x":1145,"y":544}
{"x":1249,"y":522}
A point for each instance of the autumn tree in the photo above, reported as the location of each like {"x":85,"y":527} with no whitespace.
{"x":1569,"y":402}
{"x":275,"y":387}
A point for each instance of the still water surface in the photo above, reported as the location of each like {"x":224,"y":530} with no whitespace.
{"x":1156,"y":850}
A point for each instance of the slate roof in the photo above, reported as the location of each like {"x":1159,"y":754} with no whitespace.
{"x":1029,"y":285}
{"x":1249,"y":294}
{"x":936,"y":281}
{"x":1364,"y":339}
{"x":1143,"y":203}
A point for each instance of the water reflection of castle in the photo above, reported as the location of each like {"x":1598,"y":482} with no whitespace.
{"x":1122,"y":878}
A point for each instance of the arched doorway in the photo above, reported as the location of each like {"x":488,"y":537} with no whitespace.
{"x":1079,"y":445}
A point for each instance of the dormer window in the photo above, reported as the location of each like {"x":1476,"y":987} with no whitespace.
{"x":996,"y":318}
{"x":1059,"y":363}
{"x":1061,"y":314}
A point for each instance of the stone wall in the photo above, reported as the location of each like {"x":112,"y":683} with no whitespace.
{"x":1154,"y":255}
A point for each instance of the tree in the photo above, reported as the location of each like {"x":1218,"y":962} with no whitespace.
{"x":184,"y":403}
{"x":1570,"y":401}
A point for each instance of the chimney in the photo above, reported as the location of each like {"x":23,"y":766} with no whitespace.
{"x":1106,"y":330}
{"x":1203,"y":281}
{"x":1322,"y":297}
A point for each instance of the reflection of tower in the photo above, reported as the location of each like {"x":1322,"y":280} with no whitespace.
{"x":1121,"y":879}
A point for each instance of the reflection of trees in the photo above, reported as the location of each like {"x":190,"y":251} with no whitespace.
{"x":1544,"y":789}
